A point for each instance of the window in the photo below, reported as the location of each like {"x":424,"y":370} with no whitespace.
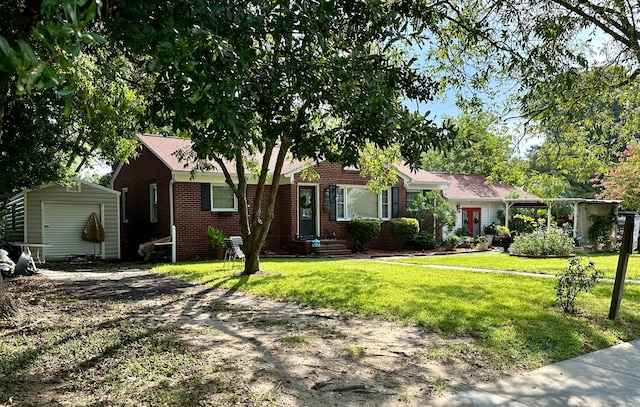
{"x":359,"y":202}
{"x":153,"y":203}
{"x":124,"y":198}
{"x":222,"y":198}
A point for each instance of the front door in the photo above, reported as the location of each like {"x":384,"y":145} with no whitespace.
{"x":471,"y":219}
{"x":307,"y":212}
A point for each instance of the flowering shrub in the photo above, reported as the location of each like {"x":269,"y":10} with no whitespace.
{"x":549,"y":241}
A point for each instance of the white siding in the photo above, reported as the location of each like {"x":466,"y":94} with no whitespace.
{"x":63,"y":226}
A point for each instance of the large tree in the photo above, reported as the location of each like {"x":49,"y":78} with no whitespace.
{"x":307,"y":79}
{"x":572,"y":64}
{"x":60,"y":107}
{"x":485,"y":147}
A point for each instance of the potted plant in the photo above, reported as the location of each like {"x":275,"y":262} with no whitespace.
{"x":490,"y":232}
{"x":215,"y":237}
{"x":504,"y":234}
{"x":482,"y":243}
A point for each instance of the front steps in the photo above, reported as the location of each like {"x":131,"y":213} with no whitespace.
{"x":327,"y":248}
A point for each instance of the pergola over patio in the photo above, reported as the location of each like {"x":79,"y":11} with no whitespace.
{"x":582,"y":209}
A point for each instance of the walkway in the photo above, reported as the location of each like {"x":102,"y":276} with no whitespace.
{"x":608,"y":377}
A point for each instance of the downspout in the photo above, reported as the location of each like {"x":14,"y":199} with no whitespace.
{"x":172,"y":228}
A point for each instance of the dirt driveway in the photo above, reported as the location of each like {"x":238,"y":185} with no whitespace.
{"x":300,"y":356}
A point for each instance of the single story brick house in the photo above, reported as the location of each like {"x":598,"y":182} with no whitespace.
{"x":158,"y":191}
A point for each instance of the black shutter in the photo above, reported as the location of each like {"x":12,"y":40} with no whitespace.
{"x":332,"y":202}
{"x":395,"y":202}
{"x":205,"y":196}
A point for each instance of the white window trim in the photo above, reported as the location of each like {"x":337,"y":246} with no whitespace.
{"x":124,"y":199}
{"x":214,"y":209}
{"x":152,"y":218}
{"x":389,"y":205}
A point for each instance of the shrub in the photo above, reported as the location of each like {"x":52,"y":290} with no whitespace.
{"x":424,"y":241}
{"x":463,"y":231}
{"x":215,"y":237}
{"x":576,"y":279}
{"x":551,"y":241}
{"x":364,"y":231}
{"x":451,"y":242}
{"x":403,"y":230}
{"x":490,"y":229}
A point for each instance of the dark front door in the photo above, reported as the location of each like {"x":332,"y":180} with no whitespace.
{"x":307,"y":212}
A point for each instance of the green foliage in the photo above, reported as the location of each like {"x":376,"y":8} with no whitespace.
{"x":483,"y":147}
{"x":379,"y":165}
{"x":551,"y":241}
{"x":601,"y":229}
{"x":432,"y":206}
{"x":215,"y":237}
{"x":576,"y":279}
{"x":424,"y":241}
{"x":307,"y":79}
{"x":364,"y":231}
{"x":490,"y":229}
{"x":38,"y":46}
{"x":503,"y":231}
{"x":451,"y":242}
{"x":463,"y":231}
{"x":403,"y":230}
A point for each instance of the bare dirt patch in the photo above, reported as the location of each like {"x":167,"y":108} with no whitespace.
{"x":170,"y":342}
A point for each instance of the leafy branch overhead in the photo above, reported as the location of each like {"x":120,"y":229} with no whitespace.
{"x":314,"y":80}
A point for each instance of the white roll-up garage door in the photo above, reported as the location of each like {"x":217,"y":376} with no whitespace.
{"x":63,"y":224}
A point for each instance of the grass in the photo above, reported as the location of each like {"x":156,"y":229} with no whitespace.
{"x":512,"y":318}
{"x":607,"y":262}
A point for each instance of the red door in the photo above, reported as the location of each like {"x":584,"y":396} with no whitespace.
{"x":471,"y":219}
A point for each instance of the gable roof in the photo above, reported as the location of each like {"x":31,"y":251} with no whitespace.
{"x":165,"y":147}
{"x":475,"y":188}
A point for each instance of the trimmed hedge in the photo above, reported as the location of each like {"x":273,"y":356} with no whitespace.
{"x":403,"y":230}
{"x":364,"y":231}
{"x":424,"y":241}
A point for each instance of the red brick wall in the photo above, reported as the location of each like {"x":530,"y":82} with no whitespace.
{"x":332,"y":173}
{"x":142,"y":171}
{"x":191,"y":222}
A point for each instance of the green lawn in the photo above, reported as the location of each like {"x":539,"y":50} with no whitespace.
{"x":607,"y":262}
{"x":512,"y":319}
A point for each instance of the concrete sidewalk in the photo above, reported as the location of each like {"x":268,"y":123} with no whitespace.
{"x":608,"y":377}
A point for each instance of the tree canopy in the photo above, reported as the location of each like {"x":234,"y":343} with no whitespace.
{"x":59,"y":106}
{"x":310,"y":79}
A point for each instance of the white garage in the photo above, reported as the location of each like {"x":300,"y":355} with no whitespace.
{"x":56,"y":217}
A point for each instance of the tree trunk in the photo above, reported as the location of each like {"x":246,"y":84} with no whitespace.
{"x":251,"y":262}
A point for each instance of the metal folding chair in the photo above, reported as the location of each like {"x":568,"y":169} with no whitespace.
{"x":233,"y":250}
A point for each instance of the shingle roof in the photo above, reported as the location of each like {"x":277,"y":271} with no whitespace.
{"x":471,"y":187}
{"x":165,"y":148}
{"x":474,"y":187}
